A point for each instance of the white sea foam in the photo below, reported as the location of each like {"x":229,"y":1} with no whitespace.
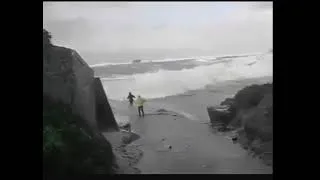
{"x":198,"y":58}
{"x":165,"y":83}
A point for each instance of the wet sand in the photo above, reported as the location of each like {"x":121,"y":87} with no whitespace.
{"x":195,"y":148}
{"x":127,"y":155}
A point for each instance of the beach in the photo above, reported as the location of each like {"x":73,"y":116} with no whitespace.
{"x":201,"y":72}
{"x":182,"y":123}
{"x":175,"y":134}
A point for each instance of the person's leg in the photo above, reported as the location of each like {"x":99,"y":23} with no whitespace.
{"x":139,"y":111}
{"x":142,"y":111}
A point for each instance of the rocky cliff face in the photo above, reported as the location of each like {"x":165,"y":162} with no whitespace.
{"x":250,"y":111}
{"x":103,"y":109}
{"x":70,"y":146}
{"x":75,"y":111}
{"x":69,"y":79}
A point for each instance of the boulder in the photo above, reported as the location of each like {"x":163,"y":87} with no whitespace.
{"x":219,"y":114}
{"x":126,"y":127}
{"x":227,"y":102}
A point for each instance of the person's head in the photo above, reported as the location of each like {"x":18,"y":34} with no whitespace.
{"x":139,"y":96}
{"x":129,"y":92}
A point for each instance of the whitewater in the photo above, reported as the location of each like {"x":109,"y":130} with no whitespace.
{"x":157,"y":79}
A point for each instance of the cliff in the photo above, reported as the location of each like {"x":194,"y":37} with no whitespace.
{"x":69,"y":79}
{"x":104,"y":115}
{"x":75,"y":111}
{"x":250,"y":112}
{"x":71,"y":146}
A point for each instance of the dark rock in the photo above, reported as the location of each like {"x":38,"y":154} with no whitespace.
{"x":126,"y":139}
{"x":129,"y":137}
{"x":70,"y":145}
{"x":104,"y":114}
{"x":251,"y":96}
{"x":126,"y":127}
{"x":75,"y":108}
{"x":219,"y":114}
{"x":253,"y":110}
{"x":227,"y":102}
{"x":69,"y":79}
{"x":267,"y":101}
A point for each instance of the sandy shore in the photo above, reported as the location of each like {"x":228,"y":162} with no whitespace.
{"x":194,"y":149}
{"x":194,"y":146}
{"x":127,"y":155}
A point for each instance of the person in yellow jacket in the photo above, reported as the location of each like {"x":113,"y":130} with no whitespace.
{"x":139,"y":102}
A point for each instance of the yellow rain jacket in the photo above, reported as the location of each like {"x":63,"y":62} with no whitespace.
{"x":139,"y":101}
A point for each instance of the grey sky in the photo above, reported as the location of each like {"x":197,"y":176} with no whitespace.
{"x":122,"y":31}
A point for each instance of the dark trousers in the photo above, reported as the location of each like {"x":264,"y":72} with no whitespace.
{"x":140,"y":110}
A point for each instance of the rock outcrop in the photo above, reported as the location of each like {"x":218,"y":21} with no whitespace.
{"x":126,"y":153}
{"x":104,"y":114}
{"x":250,"y":111}
{"x":71,"y":146}
{"x":219,"y":117}
{"x":75,"y":111}
{"x":69,"y":79}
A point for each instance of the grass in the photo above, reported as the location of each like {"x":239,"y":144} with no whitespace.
{"x":70,"y":146}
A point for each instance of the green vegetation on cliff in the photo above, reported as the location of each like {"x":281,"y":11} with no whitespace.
{"x":70,"y":146}
{"x":245,"y":99}
{"x":251,"y":110}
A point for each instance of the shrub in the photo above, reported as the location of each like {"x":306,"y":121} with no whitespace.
{"x":251,"y":96}
{"x":70,"y":146}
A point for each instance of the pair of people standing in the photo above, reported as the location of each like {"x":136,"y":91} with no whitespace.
{"x":139,"y":102}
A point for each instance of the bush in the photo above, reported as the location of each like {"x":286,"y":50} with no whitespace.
{"x":70,"y":146}
{"x":251,"y":96}
{"x":252,"y":108}
{"x":247,"y":98}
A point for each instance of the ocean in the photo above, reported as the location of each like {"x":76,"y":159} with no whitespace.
{"x":154,"y":79}
{"x":186,"y":86}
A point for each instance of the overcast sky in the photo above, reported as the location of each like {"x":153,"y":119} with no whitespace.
{"x":122,"y":31}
